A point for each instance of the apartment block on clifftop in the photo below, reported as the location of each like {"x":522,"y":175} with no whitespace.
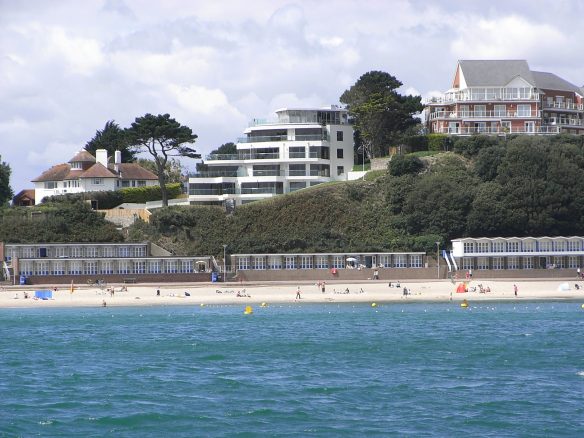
{"x":506,"y":96}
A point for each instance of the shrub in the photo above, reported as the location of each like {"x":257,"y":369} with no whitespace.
{"x":404,"y":164}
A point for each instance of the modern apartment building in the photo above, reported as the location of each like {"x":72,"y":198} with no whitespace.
{"x":302,"y":148}
{"x":86,"y":173}
{"x":506,"y":96}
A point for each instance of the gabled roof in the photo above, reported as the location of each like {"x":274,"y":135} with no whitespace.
{"x":494,"y":73}
{"x":550,"y":81}
{"x":83,"y":156}
{"x":24,"y":194}
{"x":55,"y":173}
{"x":98,"y":170}
{"x":134,"y":171}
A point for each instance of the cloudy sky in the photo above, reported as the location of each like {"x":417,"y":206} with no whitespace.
{"x":68,"y":66}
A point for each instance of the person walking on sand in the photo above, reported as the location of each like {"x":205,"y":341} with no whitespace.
{"x":323,"y":287}
{"x":515,"y":289}
{"x":298,"y":297}
{"x":578,"y":273}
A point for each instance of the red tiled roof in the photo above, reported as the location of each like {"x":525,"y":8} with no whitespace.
{"x":134,"y":171}
{"x":55,"y":173}
{"x":24,"y":194}
{"x":98,"y":170}
{"x":82,"y":156}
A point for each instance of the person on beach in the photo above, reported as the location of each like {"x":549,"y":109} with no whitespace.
{"x":157,"y":292}
{"x":298,"y":297}
{"x":323,"y":286}
{"x":515,"y":289}
{"x":103,"y":304}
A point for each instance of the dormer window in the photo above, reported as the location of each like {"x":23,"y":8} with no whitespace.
{"x":76,"y":165}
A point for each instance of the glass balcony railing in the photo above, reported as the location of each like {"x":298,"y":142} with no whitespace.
{"x":244,"y":156}
{"x":214,"y":174}
{"x":267,"y":138}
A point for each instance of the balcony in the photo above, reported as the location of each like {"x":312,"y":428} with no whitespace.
{"x":244,"y":156}
{"x":563,"y":106}
{"x":563,"y":122}
{"x":484,"y":115}
{"x":485,"y":95}
{"x":464,"y":130}
{"x":217,"y":174}
{"x":211,"y":192}
{"x":272,"y":138}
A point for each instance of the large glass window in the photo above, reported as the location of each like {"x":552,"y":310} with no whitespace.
{"x":321,"y":262}
{"x":468,"y":247}
{"x":275,"y":262}
{"x":467,"y":263}
{"x":385,"y":260}
{"x":400,"y":261}
{"x":482,"y":246}
{"x":524,"y":110}
{"x":512,"y":246}
{"x":573,"y":245}
{"x":242,"y":263}
{"x":338,"y":262}
{"x":482,"y":263}
{"x":58,"y":268}
{"x":498,"y":246}
{"x":171,"y":267}
{"x":290,"y":262}
{"x":513,"y":263}
{"x":42,"y":268}
{"x":527,"y":262}
{"x":107,"y":267}
{"x":140,"y":267}
{"x":306,"y":262}
{"x":500,"y":111}
{"x":91,"y":268}
{"x":124,"y":267}
{"x":154,"y":266}
{"x":259,"y":263}
{"x":528,"y":246}
{"x":416,"y":261}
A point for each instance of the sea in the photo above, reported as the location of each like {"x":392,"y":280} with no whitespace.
{"x":512,"y":369}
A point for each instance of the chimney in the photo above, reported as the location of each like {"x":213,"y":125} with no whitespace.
{"x":101,"y":156}
{"x":117,"y":159}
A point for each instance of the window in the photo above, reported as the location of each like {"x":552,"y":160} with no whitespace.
{"x":75,"y":268}
{"x":498,"y":263}
{"x":108,"y":251}
{"x":76,"y":165}
{"x":243,"y":263}
{"x":524,"y":110}
{"x":385,"y":260}
{"x":573,"y":262}
{"x":468,"y":247}
{"x":340,"y":153}
{"x":321,"y":262}
{"x":125,"y":183}
{"x":259,"y":263}
{"x":290,"y":262}
{"x":573,"y":245}
{"x":107,"y":267}
{"x":124,"y":251}
{"x":297,"y":152}
{"x":560,"y":245}
{"x":482,"y":263}
{"x":124,"y":267}
{"x":527,"y":262}
{"x":91,"y":268}
{"x":186,"y":267}
{"x":141,"y":183}
{"x":340,"y":136}
{"x":528,"y":246}
{"x":498,"y":246}
{"x":76,"y":252}
{"x":530,"y":127}
{"x":58,"y":268}
{"x":482,"y":246}
{"x":340,"y":170}
{"x":480,"y":110}
{"x":415,"y":261}
{"x":275,"y":262}
{"x":297,"y":185}
{"x":545,"y":246}
{"x":400,"y":261}
{"x":51,"y":184}
{"x":464,"y":111}
{"x":42,"y":268}
{"x":139,"y":251}
{"x":154,"y":267}
{"x":306,"y":262}
{"x":512,"y":246}
{"x":559,"y":261}
{"x":140,"y":267}
{"x":97,"y":181}
{"x":500,"y":111}
{"x":467,"y":263}
{"x":338,"y":262}
{"x":513,"y":263}
{"x":91,"y":251}
{"x":297,"y":170}
{"x":506,"y":126}
{"x":171,"y":267}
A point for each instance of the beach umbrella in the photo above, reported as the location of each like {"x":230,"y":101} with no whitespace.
{"x":351,"y":259}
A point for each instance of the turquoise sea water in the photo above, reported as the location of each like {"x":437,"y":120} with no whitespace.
{"x":497,"y":369}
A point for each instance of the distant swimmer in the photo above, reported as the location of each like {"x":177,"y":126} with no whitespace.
{"x":103,"y":304}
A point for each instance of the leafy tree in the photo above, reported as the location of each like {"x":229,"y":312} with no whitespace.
{"x":163,"y":138}
{"x":225,"y":149}
{"x":173,"y":169}
{"x":5,"y":190}
{"x":111,"y":138}
{"x":404,"y":164}
{"x":380,"y":113}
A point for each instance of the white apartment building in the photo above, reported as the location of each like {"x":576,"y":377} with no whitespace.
{"x":302,"y":148}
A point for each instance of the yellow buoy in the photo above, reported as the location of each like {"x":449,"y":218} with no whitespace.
{"x":248,"y":310}
{"x":373,"y":304}
{"x":464,"y":304}
{"x":202,"y":304}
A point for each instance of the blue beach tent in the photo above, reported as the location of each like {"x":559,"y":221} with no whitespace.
{"x":43,"y":294}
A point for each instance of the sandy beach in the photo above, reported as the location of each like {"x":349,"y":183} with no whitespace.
{"x":272,"y":293}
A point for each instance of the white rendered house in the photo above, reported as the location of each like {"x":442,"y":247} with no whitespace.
{"x":302,"y":148}
{"x":86,"y":173}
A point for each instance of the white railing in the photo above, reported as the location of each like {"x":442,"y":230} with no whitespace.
{"x":485,"y":94}
{"x":498,"y":130}
{"x":484,"y":114}
{"x":564,"y":105}
{"x":563,"y":122}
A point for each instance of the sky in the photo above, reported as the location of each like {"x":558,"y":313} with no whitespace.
{"x":69,"y":66}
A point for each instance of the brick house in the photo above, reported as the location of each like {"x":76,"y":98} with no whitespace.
{"x":506,"y":96}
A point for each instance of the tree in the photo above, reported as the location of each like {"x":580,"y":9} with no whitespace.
{"x":173,"y":169}
{"x":163,"y":138}
{"x":225,"y":149}
{"x":5,"y":190}
{"x":379,"y":112}
{"x":111,"y":138}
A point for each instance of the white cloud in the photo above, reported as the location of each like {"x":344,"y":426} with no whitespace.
{"x":66,"y":67}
